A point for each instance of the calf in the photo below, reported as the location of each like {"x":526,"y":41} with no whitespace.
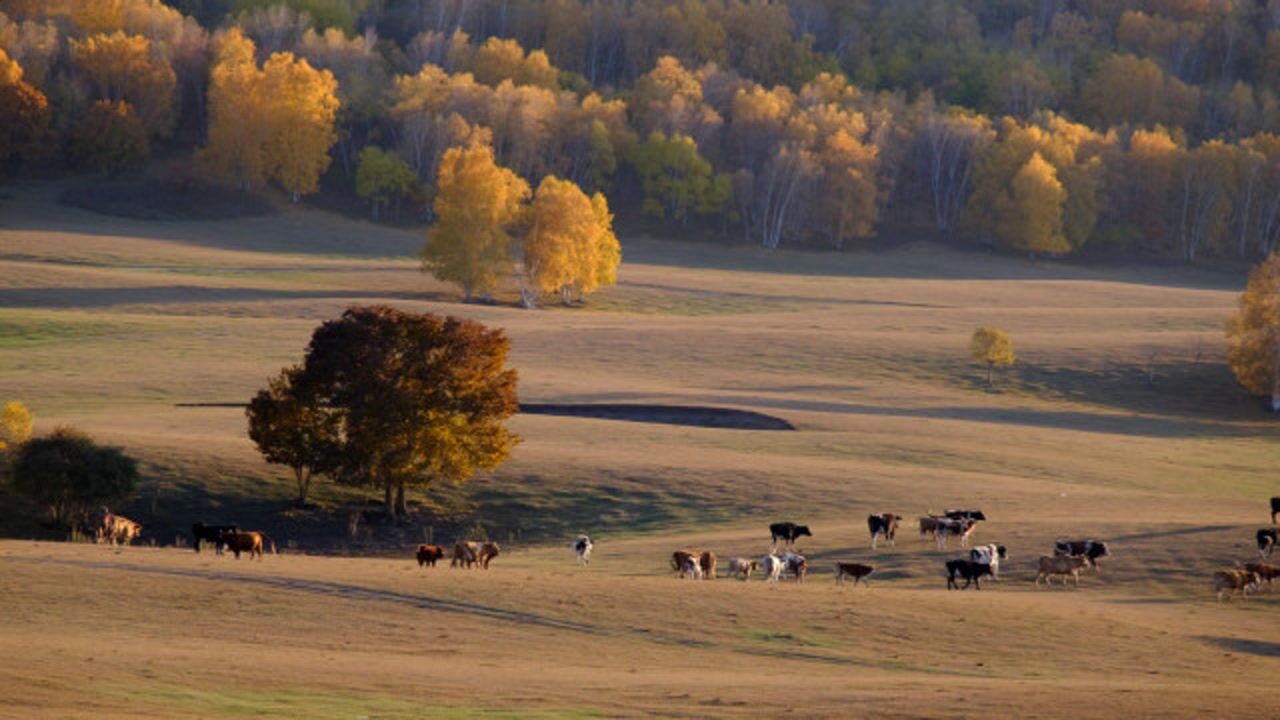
{"x":1064,"y":565}
{"x":429,"y":554}
{"x":250,"y":542}
{"x":964,"y":515}
{"x":117,"y":530}
{"x":1091,"y":550}
{"x":487,"y":552}
{"x":582,"y":548}
{"x":708,"y":565}
{"x":971,"y":571}
{"x":857,"y":571}
{"x":796,"y":565}
{"x":1267,"y":541}
{"x":789,"y":532}
{"x":885,"y":525}
{"x":1264,"y":571}
{"x":210,"y":533}
{"x":465,"y":554}
{"x":772,"y":566}
{"x":1235,"y":582}
{"x":742,"y":568}
{"x":989,"y":555}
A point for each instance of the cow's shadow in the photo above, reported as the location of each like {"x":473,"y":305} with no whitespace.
{"x":1245,"y":645}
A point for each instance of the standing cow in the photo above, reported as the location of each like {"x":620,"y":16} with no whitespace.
{"x":789,"y":532}
{"x":251,"y":542}
{"x":211,"y":534}
{"x":1275,"y":509}
{"x":429,"y":554}
{"x":116,"y":529}
{"x":885,"y":526}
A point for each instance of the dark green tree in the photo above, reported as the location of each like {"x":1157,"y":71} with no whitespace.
{"x":291,"y":428}
{"x":68,"y":474}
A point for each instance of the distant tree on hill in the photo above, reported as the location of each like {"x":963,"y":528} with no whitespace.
{"x":24,"y":115}
{"x":677,"y":180}
{"x":1253,"y":334}
{"x":123,"y":68}
{"x":383,"y":177}
{"x":68,"y":474}
{"x":110,"y":139}
{"x":477,"y":204}
{"x":570,"y":248}
{"x":991,"y":347}
{"x":290,"y":427}
{"x":418,"y":399}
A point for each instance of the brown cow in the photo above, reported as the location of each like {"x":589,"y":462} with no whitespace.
{"x":796,"y":565}
{"x":429,"y":554}
{"x":687,"y":563}
{"x":1064,"y":565}
{"x":1265,"y":571}
{"x":708,"y":564}
{"x":247,"y":541}
{"x":857,"y":571}
{"x":488,"y":551}
{"x":1234,"y":582}
{"x":464,"y":554}
{"x":117,"y":529}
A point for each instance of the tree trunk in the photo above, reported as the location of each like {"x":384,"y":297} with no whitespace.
{"x":387,"y":501}
{"x":990,"y":370}
{"x":304,"y":484}
{"x":402,"y":507}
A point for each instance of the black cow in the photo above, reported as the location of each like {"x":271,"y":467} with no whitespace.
{"x":964,"y":514}
{"x":788,"y":531}
{"x":210,"y":533}
{"x":1090,"y":550}
{"x":967,"y":569}
{"x":1275,"y":509}
{"x":1267,"y":541}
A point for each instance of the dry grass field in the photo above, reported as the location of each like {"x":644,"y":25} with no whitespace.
{"x":1119,"y":422}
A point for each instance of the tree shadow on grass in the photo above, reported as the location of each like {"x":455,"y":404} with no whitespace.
{"x":1245,"y":645}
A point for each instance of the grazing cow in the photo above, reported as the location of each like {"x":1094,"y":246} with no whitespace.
{"x":210,"y":533}
{"x":857,"y":571}
{"x":929,"y":526}
{"x":465,"y":554}
{"x":1267,"y":541}
{"x":250,"y":541}
{"x":1091,"y":550}
{"x":796,"y":565}
{"x":789,"y":532}
{"x":687,"y":563}
{"x":883,"y":525}
{"x":990,"y":555}
{"x":1235,"y":582}
{"x":772,"y":566}
{"x":958,"y":528}
{"x":582,"y":548}
{"x":742,"y":568}
{"x":1064,"y":565}
{"x":429,"y":554}
{"x":487,"y":552}
{"x":964,"y":514}
{"x":708,"y":564}
{"x":1275,"y":509}
{"x":1265,"y":571}
{"x":971,"y":571}
{"x":117,"y":529}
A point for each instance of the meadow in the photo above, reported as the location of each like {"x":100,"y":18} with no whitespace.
{"x":1120,"y":421}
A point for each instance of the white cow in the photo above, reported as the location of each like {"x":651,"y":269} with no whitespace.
{"x":772,"y":566}
{"x":989,"y":555}
{"x":582,"y":548}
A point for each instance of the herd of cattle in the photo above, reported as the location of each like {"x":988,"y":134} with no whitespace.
{"x":1069,"y":557}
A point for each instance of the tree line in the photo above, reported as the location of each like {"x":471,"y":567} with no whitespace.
{"x":1043,"y":127}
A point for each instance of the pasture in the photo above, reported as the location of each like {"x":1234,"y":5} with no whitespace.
{"x":1120,"y":422}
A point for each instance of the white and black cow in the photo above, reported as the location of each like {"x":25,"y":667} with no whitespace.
{"x":582,"y":548}
{"x":990,"y":555}
{"x":885,"y":526}
{"x":953,"y":528}
{"x":1267,"y":541}
{"x":1091,"y":550}
{"x":789,"y":532}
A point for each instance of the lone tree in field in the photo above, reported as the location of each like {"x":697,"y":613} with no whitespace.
{"x":477,"y":203}
{"x":417,"y":398}
{"x":291,"y":428}
{"x":68,"y":474}
{"x":993,"y":347}
{"x":1253,"y":335}
{"x":570,"y":248}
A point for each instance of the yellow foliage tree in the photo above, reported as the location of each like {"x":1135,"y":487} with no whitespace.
{"x":10,"y":70}
{"x":124,"y":67}
{"x":1029,"y":215}
{"x":1253,"y":335}
{"x":477,"y":203}
{"x":570,"y":247}
{"x":305,"y":105}
{"x":239,"y":131}
{"x":16,"y":422}
{"x":992,"y":347}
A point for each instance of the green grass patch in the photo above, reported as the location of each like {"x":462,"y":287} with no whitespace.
{"x":316,"y":705}
{"x":775,"y":638}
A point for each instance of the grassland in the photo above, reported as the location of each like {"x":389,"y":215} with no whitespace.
{"x":1119,"y":422}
